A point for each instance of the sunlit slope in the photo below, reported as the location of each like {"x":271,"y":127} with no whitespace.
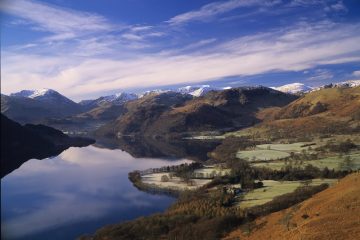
{"x":329,"y":215}
{"x":330,"y":110}
{"x":339,"y":102}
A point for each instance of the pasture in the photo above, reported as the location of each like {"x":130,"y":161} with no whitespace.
{"x":174,"y":183}
{"x":261,"y":155}
{"x":291,"y":147}
{"x":273,"y":189}
{"x":334,"y":162}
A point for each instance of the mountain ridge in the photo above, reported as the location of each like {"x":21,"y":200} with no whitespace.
{"x":327,"y":111}
{"x":216,"y":110}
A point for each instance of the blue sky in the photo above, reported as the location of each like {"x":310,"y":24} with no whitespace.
{"x":84,"y":48}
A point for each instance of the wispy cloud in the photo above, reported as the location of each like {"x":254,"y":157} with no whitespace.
{"x":328,"y":5}
{"x":72,"y":32}
{"x":85,"y":55}
{"x":337,"y":7}
{"x":321,"y":75}
{"x":131,"y":36}
{"x":217,"y":8}
{"x":298,"y":48}
{"x":356,"y":73}
{"x":194,"y":46}
{"x":140,"y":28}
{"x":62,"y":23}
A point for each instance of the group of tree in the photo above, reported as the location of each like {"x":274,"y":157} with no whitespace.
{"x":342,"y":147}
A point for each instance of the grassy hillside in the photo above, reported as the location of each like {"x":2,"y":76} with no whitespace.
{"x":329,"y":215}
{"x":326,"y":111}
{"x":142,"y":113}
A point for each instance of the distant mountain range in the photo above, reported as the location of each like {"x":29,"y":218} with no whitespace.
{"x":116,"y":99}
{"x":200,"y":90}
{"x":299,"y":88}
{"x":38,"y":106}
{"x":294,"y":88}
{"x":176,"y":113}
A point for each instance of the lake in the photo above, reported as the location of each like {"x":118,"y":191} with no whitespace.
{"x":76,"y":193}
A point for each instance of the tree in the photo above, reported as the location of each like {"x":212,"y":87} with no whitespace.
{"x":347,"y":164}
{"x":164,"y":178}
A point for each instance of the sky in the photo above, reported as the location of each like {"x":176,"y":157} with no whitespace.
{"x":85,"y":49}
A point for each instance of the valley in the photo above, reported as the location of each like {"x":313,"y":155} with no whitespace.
{"x":221,"y":160}
{"x":180,"y":120}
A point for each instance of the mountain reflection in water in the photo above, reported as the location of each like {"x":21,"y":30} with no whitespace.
{"x":160,"y":148}
{"x":75,"y":193}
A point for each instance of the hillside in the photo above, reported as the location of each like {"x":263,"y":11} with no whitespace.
{"x":106,"y":111}
{"x":34,"y":106}
{"x":20,"y":143}
{"x":329,"y":215}
{"x":339,"y":102}
{"x":175,"y":113}
{"x":115,"y":99}
{"x":142,"y":113}
{"x":328,"y":110}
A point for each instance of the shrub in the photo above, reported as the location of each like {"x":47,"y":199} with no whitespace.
{"x":164,"y":178}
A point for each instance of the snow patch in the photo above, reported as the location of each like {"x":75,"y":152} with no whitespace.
{"x":294,"y":88}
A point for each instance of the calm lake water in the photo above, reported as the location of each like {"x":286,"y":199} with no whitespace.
{"x":76,"y":193}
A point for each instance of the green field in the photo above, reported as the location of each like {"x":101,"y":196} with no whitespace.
{"x":174,"y":183}
{"x":264,"y":152}
{"x":291,"y":147}
{"x":272,"y":189}
{"x":336,"y":162}
{"x":261,"y":155}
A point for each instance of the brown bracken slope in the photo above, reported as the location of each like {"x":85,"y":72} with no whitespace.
{"x":326,"y":111}
{"x":330,"y":215}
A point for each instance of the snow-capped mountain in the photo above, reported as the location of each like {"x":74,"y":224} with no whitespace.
{"x":202,"y":91}
{"x":23,"y":93}
{"x":189,"y":89}
{"x":349,"y":83}
{"x":293,"y":88}
{"x":117,"y":99}
{"x":34,"y":93}
{"x":155,"y":91}
{"x":197,"y":91}
{"x":44,"y":95}
{"x":33,"y":105}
